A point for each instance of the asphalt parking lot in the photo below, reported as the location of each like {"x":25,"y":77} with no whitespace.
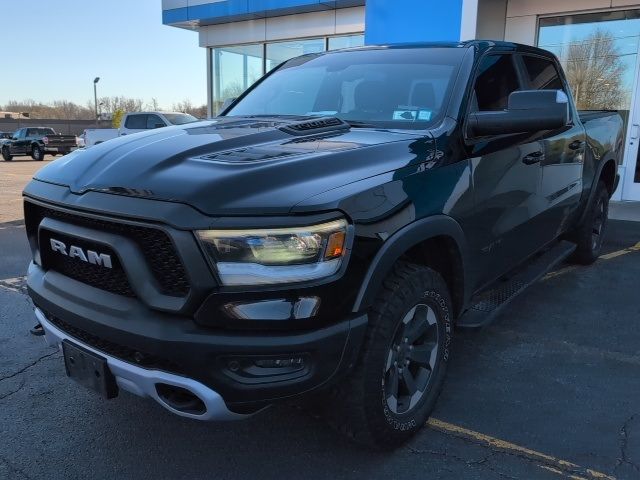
{"x":550,"y":390}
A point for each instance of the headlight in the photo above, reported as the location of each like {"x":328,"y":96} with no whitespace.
{"x":276,"y":255}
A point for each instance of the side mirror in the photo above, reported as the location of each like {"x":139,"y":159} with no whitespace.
{"x":527,"y":111}
{"x":159,"y":125}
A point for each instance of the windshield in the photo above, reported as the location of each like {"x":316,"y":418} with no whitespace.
{"x":388,"y":88}
{"x":180,"y":118}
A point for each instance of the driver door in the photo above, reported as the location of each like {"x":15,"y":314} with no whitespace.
{"x":506,"y":176}
{"x":18,"y":146}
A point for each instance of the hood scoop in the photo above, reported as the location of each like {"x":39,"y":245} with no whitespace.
{"x":325,"y":124}
{"x":251,"y":154}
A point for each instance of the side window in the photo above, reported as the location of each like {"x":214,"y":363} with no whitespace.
{"x":542,"y":73}
{"x":153,"y":121}
{"x":31,"y":132}
{"x":136,"y":122}
{"x":495,"y":81}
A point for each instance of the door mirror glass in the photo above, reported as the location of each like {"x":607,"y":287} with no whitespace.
{"x":527,"y":111}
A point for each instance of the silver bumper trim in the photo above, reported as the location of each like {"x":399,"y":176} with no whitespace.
{"x":142,"y":382}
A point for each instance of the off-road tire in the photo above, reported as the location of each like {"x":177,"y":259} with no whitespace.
{"x":358,"y":407}
{"x":589,"y":235}
{"x":37,"y":153}
{"x":6,"y":155}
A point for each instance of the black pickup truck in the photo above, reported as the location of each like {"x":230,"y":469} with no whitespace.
{"x":37,"y":142}
{"x":323,"y":236}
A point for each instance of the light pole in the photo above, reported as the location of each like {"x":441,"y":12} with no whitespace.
{"x":95,"y":94}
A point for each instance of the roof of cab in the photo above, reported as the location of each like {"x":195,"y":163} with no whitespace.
{"x":479,"y":45}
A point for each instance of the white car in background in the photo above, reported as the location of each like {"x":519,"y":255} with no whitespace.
{"x":135,"y":122}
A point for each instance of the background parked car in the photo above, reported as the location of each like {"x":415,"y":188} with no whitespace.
{"x":37,"y":142}
{"x":136,"y":122}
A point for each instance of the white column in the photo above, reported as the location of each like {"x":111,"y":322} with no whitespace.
{"x":469,"y":21}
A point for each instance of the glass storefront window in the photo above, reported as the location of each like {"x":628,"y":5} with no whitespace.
{"x":348,"y":41}
{"x":281,"y":51}
{"x":598,"y":52}
{"x":234,"y":70}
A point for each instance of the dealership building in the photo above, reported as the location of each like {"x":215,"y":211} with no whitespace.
{"x":597,"y":39}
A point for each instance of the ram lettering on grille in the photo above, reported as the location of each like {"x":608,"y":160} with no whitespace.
{"x":91,"y":256}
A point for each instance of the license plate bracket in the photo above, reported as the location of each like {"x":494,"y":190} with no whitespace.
{"x":89,"y":369}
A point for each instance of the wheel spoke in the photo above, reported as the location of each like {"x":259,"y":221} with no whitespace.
{"x":393,"y":382}
{"x":421,"y":354}
{"x":419,"y":324}
{"x":409,"y":381}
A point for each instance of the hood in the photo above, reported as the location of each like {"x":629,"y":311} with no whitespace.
{"x":234,"y":165}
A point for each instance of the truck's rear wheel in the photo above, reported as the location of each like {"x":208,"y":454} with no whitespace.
{"x":589,"y":235}
{"x":37,"y":153}
{"x":398,"y":378}
{"x":6,"y":154}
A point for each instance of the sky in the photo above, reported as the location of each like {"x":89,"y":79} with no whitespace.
{"x":53,"y":49}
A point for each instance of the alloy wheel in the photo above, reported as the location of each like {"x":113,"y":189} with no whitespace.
{"x":411,"y":359}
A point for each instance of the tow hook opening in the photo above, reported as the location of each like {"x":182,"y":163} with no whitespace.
{"x":180,"y":399}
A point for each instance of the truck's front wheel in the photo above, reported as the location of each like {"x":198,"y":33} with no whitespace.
{"x":37,"y":153}
{"x":396,"y":383}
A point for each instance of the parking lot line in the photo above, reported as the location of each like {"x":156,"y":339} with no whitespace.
{"x":567,"y":469}
{"x":606,"y":256}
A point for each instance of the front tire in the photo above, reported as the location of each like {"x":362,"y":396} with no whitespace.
{"x":6,"y":155}
{"x":37,"y":153}
{"x":589,"y":235}
{"x":402,"y":366}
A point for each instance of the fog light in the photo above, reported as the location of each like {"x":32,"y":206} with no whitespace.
{"x":280,"y":362}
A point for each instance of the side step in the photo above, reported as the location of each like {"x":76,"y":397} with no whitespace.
{"x":486,"y":306}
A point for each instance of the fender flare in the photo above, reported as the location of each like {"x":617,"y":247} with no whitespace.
{"x":608,"y":158}
{"x":396,"y":245}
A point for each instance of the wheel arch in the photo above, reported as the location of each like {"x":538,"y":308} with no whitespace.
{"x":437,"y":242}
{"x":606,"y":171}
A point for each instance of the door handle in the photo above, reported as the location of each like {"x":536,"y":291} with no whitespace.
{"x":532,"y":158}
{"x":576,"y":145}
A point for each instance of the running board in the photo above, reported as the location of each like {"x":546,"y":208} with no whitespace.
{"x":486,"y":306}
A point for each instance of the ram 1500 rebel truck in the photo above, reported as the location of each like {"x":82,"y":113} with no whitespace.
{"x":37,"y":142}
{"x":323,"y":236}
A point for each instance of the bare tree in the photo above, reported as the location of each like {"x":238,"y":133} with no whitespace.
{"x":111,"y":104}
{"x":594,"y":71}
{"x":153,"y":105}
{"x":59,"y":109}
{"x":187,"y":107}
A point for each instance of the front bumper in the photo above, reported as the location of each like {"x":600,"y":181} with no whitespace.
{"x":219,"y":363}
{"x":143,"y":382}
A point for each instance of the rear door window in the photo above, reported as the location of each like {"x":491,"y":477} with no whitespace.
{"x":542,"y":73}
{"x":136,"y":122}
{"x":153,"y":121}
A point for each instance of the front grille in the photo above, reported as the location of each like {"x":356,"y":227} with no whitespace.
{"x":112,"y":279}
{"x":156,"y":246}
{"x":122,"y":352}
